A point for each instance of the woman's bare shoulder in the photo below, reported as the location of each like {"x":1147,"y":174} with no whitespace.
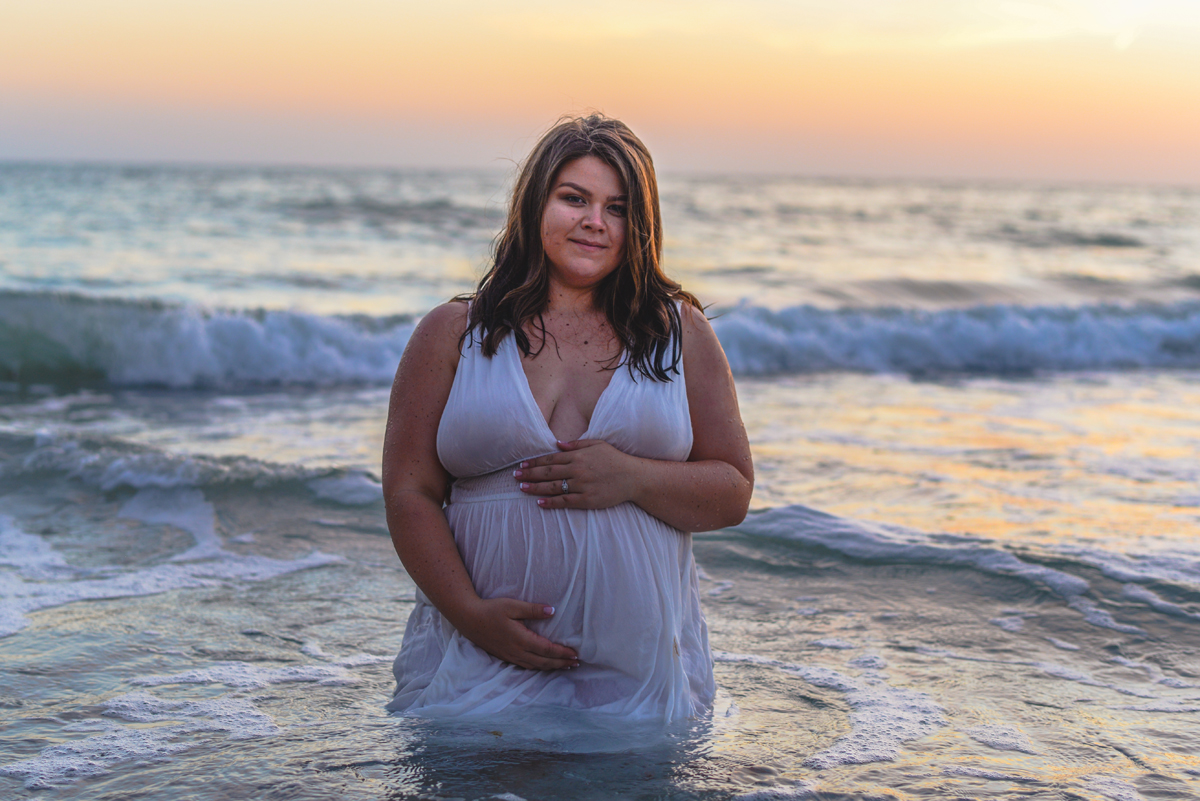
{"x":699,"y":339}
{"x":689,"y":315}
{"x":438,"y":333}
{"x":449,"y":318}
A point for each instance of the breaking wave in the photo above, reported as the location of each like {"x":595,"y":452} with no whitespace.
{"x":52,"y":338}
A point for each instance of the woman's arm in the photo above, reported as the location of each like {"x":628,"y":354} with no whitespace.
{"x":414,"y":484}
{"x":711,"y":490}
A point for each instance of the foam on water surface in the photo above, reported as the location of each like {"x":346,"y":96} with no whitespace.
{"x":44,"y":579}
{"x":246,"y":676}
{"x":1114,"y":788}
{"x":800,"y":790}
{"x":883,"y":717}
{"x":99,"y":754}
{"x":1002,"y":738}
{"x":33,"y":557}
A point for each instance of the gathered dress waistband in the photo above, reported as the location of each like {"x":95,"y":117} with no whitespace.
{"x":494,"y":486}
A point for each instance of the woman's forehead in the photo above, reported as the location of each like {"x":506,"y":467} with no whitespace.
{"x":592,"y":173}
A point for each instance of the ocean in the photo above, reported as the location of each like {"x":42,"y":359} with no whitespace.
{"x":971,"y":567}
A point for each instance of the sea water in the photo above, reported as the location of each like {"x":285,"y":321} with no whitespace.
{"x":970,"y":570}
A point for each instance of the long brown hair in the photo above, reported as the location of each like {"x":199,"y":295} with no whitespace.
{"x":637,"y":298}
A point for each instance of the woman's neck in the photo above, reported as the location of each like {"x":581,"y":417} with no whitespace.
{"x":571,"y":301}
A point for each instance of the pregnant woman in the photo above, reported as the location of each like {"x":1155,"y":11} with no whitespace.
{"x":551,"y":441}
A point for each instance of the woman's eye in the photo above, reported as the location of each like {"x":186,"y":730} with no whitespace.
{"x":617,"y":210}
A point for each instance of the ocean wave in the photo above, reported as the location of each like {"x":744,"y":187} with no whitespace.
{"x":999,"y":340}
{"x":112,"y":464}
{"x":861,"y":541}
{"x":47,"y":337}
{"x":1065,"y":238}
{"x":68,"y":339}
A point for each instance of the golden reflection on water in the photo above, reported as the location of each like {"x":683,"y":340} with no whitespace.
{"x":1112,"y":459}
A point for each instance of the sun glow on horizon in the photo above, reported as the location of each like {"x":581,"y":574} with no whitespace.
{"x":1068,"y":89}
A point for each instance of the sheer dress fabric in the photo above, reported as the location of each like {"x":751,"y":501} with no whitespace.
{"x":622,"y":582}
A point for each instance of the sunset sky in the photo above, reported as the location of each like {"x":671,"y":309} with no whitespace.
{"x":1105,"y":90}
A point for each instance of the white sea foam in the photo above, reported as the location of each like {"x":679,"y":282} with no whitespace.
{"x":798,"y":791}
{"x":33,"y":557}
{"x":313,"y":648}
{"x":184,"y":509}
{"x":1151,"y":599}
{"x":358,"y":660}
{"x":66,"y":763}
{"x":883,"y":717}
{"x":868,"y":662}
{"x":233,"y":715}
{"x":1100,"y":617}
{"x":236,"y":716}
{"x":1013,"y":624}
{"x":246,"y":676}
{"x":207,"y":563}
{"x":1062,"y":644}
{"x":1153,"y":672}
{"x":1002,"y":738}
{"x":1114,"y":788}
{"x":831,"y":642}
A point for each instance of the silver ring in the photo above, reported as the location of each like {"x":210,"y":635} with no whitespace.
{"x":564,"y":487}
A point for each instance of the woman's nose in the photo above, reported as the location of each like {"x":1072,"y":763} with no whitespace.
{"x":594,"y":218}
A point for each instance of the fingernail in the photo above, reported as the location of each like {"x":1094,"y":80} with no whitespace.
{"x":549,"y":610}
{"x":517,"y":473}
{"x":524,"y":485}
{"x":524,"y":464}
{"x":542,"y":502}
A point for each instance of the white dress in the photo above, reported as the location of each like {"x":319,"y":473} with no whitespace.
{"x":622,"y":582}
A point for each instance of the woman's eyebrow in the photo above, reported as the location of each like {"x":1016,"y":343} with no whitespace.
{"x":587,"y":192}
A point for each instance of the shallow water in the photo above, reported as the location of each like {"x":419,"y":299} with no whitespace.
{"x":970,"y":569}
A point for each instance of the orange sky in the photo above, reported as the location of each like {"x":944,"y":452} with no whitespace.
{"x":1100,"y":90}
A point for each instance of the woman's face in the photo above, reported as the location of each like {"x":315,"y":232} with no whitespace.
{"x":583,"y":224}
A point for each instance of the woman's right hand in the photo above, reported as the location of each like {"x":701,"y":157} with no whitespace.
{"x":495,"y":626}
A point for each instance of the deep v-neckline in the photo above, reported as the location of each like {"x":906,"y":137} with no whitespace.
{"x":532,"y":403}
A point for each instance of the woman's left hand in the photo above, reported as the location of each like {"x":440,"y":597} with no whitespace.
{"x":597,"y":474}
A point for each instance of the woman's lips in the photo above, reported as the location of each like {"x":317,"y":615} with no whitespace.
{"x":588,"y":245}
